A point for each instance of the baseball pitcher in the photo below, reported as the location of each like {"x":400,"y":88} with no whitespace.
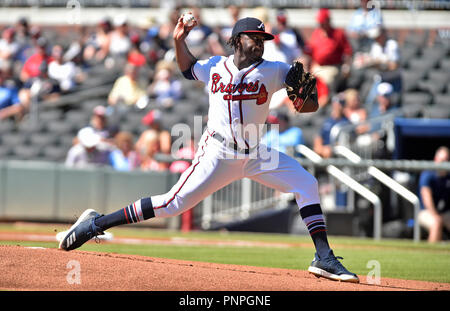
{"x":240,"y":88}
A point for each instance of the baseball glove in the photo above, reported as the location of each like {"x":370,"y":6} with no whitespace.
{"x":300,"y":85}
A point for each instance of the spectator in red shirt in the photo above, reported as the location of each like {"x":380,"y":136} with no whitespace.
{"x":36,"y":65}
{"x":329,"y":50}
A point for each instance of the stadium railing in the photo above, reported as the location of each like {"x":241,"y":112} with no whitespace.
{"x":389,"y":182}
{"x":351,"y":183}
{"x":46,"y":191}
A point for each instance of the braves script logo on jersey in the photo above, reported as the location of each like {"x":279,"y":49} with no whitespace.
{"x":257,"y":92}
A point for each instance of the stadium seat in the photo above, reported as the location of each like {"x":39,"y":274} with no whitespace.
{"x":7,"y":126}
{"x":445,"y":64}
{"x":436,"y":82}
{"x":54,"y":153}
{"x":408,"y":52}
{"x":50,"y":115}
{"x":60,"y":127}
{"x":422,"y":64}
{"x":413,"y":110}
{"x":30,"y":127}
{"x":26,"y":152}
{"x":133,"y":118}
{"x":437,"y":112}
{"x":424,"y":99}
{"x":78,"y":117}
{"x":89,"y":105}
{"x":434,"y":53}
{"x":133,"y":128}
{"x":43,"y":139}
{"x":439,"y":75}
{"x":13,"y":139}
{"x":442,"y":100}
{"x":184,"y":108}
{"x":410,"y":79}
{"x":416,"y":38}
{"x":433,"y":87}
{"x":169,"y":120}
{"x":5,"y":152}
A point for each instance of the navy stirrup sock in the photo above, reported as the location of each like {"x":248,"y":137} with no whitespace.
{"x":313,"y":218}
{"x":138,"y":211}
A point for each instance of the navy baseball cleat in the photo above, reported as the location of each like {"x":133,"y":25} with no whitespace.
{"x":82,"y":231}
{"x":331,"y":268}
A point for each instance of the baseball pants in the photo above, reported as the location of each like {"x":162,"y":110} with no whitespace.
{"x":211,"y":171}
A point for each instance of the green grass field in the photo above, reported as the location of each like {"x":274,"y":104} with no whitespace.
{"x":401,"y":259}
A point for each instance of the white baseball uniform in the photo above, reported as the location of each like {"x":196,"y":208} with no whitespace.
{"x":239,"y":106}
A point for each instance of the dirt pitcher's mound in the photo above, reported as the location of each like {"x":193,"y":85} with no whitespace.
{"x":25,"y":268}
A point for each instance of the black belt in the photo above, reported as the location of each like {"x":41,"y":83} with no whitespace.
{"x":219,"y":137}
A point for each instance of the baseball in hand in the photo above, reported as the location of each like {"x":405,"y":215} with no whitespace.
{"x":188,"y":19}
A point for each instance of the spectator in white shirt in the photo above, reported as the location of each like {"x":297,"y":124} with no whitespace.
{"x":120,"y":42}
{"x":365,"y":19}
{"x":383,"y":58}
{"x":89,"y":151}
{"x":384,"y":52}
{"x":8,"y":47}
{"x":290,"y":41}
{"x":62,"y":71}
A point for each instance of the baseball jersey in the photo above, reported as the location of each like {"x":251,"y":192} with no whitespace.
{"x":239,"y":99}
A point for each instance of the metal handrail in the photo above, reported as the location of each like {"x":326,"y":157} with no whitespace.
{"x":351,"y":183}
{"x":340,"y":128}
{"x":389,"y":182}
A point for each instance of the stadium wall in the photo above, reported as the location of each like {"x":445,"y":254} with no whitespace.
{"x":409,"y":19}
{"x":41,"y":191}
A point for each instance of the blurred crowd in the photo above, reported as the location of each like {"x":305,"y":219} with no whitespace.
{"x":34,"y":68}
{"x":357,"y":70}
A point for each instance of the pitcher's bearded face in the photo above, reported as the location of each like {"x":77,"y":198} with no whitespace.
{"x":252,"y":45}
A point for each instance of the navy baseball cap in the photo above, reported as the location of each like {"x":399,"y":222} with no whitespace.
{"x":251,"y":25}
